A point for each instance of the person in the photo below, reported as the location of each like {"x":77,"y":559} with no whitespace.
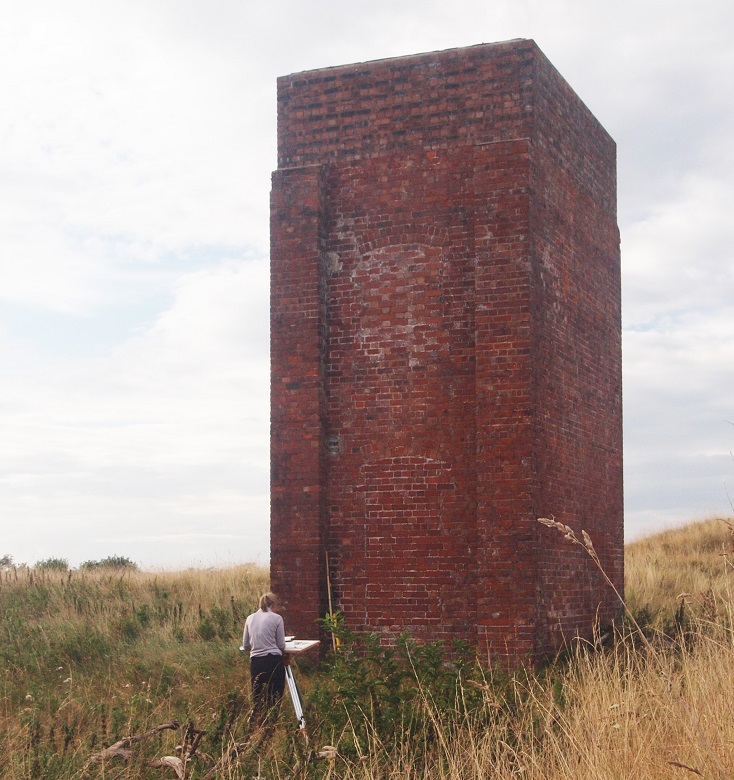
{"x":264,"y":637}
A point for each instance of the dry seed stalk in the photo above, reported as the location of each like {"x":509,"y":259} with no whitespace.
{"x":730,"y":525}
{"x":568,"y":533}
{"x":588,"y":545}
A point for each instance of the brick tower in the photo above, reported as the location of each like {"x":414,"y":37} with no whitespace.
{"x":446,"y":359}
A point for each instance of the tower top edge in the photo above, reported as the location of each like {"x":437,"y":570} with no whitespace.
{"x":437,"y":54}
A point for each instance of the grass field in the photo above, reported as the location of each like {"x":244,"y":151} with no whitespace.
{"x":92,"y":658}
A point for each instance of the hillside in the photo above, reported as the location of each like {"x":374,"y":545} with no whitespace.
{"x":687,"y":568}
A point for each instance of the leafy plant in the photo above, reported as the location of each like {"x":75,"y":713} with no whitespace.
{"x":371,"y":690}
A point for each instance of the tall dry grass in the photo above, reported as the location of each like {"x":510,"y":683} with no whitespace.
{"x":692,"y":566}
{"x":91,"y":658}
{"x":658,"y":705}
{"x":622,"y":715}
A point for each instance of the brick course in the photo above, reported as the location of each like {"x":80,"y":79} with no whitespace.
{"x":446,"y":360}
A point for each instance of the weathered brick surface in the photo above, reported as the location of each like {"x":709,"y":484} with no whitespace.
{"x":445,"y":349}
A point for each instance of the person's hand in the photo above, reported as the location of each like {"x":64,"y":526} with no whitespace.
{"x":286,"y":659}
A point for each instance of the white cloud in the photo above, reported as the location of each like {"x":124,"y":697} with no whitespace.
{"x":165,"y":432}
{"x":681,"y":256}
{"x":136,"y":145}
{"x":120,"y":147}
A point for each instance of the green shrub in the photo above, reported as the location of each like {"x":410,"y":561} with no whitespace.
{"x":110,"y":562}
{"x":370,"y":690}
{"x":142,"y":615}
{"x":222,"y":620}
{"x":129,"y":628}
{"x":52,"y":564}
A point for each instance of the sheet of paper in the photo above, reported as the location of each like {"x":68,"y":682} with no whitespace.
{"x":296,"y":646}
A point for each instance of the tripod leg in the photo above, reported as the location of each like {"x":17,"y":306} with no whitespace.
{"x":295,"y":697}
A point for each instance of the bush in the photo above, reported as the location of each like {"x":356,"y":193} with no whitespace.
{"x":392,"y":693}
{"x":52,"y":564}
{"x":111,"y":562}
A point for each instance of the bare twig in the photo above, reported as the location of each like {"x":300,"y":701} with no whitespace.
{"x":197,"y":735}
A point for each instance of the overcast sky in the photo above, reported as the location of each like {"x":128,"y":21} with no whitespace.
{"x":137,"y":140}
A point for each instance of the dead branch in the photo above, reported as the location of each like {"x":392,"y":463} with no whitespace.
{"x":190,"y":742}
{"x":121,"y":749}
{"x":169,"y":761}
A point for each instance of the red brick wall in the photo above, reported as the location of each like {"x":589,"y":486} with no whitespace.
{"x":445,"y":349}
{"x":578,"y":376}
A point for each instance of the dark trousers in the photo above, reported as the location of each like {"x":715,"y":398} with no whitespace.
{"x":268,"y":683}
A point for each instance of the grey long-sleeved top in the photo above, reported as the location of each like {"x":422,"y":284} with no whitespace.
{"x":264,"y":634}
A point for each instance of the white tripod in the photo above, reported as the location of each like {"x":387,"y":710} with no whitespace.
{"x":295,"y":647}
{"x":296,"y":699}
